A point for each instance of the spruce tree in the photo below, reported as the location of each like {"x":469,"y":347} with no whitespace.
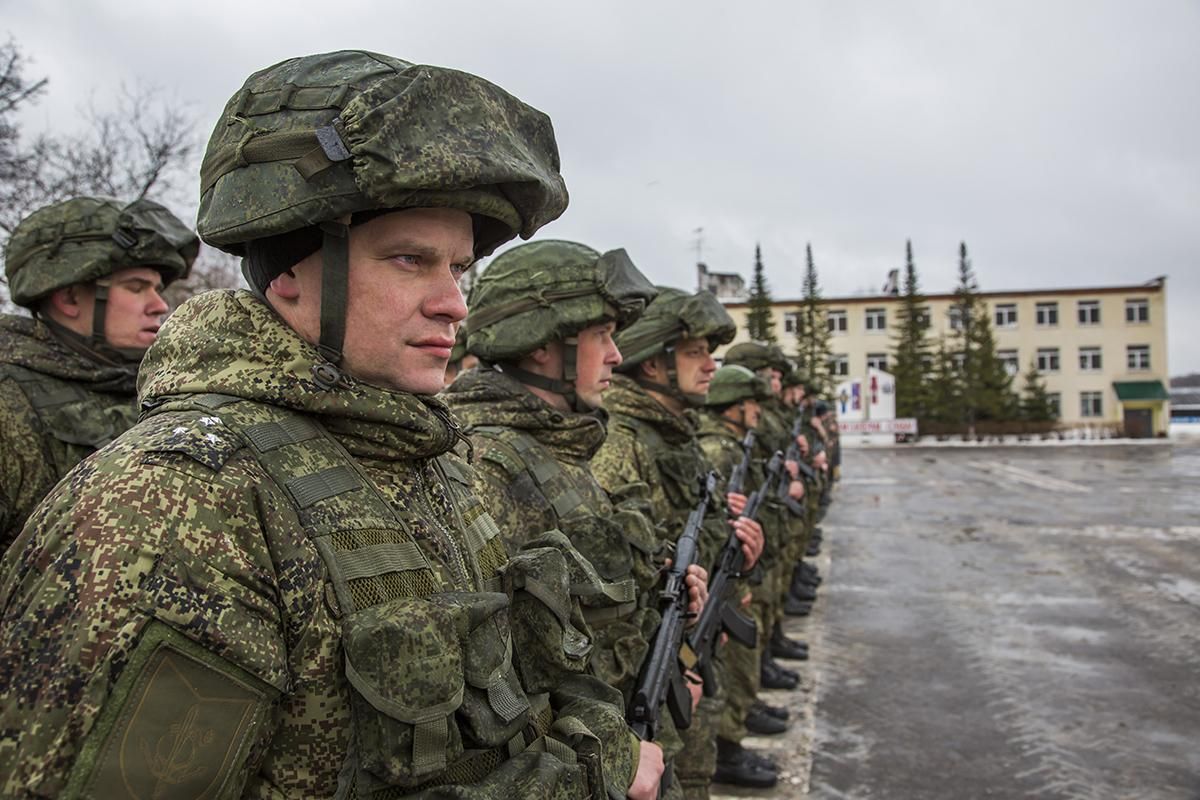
{"x":944,"y":397}
{"x":1035,"y":400}
{"x":760,"y":323}
{"x":985,"y":387}
{"x":812,"y":331}
{"x":912,"y":351}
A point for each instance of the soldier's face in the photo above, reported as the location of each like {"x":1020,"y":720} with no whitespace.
{"x":134,"y":309}
{"x":403,"y":298}
{"x":596,"y":357}
{"x":774,"y":377}
{"x":752,"y":411}
{"x":694,"y":366}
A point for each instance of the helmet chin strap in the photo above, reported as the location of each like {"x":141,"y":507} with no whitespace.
{"x":671,"y":387}
{"x":564,"y":386}
{"x":335,"y":280}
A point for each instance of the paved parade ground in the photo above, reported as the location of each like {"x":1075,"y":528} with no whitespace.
{"x":1018,"y":622}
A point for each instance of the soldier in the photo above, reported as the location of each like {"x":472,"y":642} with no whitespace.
{"x":651,"y":440}
{"x":541,"y":320}
{"x":279,"y":582}
{"x":732,"y":409}
{"x":90,"y":270}
{"x":774,"y":433}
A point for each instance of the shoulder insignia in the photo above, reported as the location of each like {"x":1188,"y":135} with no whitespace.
{"x":204,"y":438}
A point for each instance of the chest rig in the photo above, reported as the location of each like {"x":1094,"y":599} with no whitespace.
{"x":80,"y":421}
{"x":410,"y":734}
{"x":539,"y":479}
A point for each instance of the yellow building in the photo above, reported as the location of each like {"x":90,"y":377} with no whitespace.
{"x":1102,"y":350}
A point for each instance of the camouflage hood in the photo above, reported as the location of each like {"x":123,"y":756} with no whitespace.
{"x":30,"y":343}
{"x":231,"y":343}
{"x":626,"y":397}
{"x":489,"y":397}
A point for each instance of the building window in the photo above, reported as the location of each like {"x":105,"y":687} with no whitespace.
{"x":1047,"y":359}
{"x":836,"y":321}
{"x":1089,"y":312}
{"x":877,"y":319}
{"x":1054,"y":400}
{"x":1137,"y":357}
{"x":1089,"y":359}
{"x":1006,"y":315}
{"x":1091,"y":404}
{"x":927,"y":363}
{"x":877,"y":361}
{"x":960,"y":361}
{"x":791,"y":320}
{"x":924,"y":316}
{"x":956,"y":318}
{"x":1046,"y":314}
{"x":1012,"y":364}
{"x":1137,"y":311}
{"x":839,"y":365}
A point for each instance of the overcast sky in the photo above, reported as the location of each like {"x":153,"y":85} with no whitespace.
{"x":1060,"y":140}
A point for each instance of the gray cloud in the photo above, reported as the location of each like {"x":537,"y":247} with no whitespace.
{"x":1057,"y":139}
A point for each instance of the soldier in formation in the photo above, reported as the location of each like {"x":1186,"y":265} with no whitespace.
{"x":90,"y":270}
{"x":303,"y":574}
{"x":280,"y":582}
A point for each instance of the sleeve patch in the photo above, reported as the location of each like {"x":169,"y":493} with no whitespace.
{"x":179,"y":724}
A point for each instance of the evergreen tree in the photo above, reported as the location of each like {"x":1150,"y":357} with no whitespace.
{"x":760,"y":323}
{"x":912,"y":352}
{"x":812,"y":331}
{"x":985,"y":386}
{"x":944,"y":396}
{"x":1035,"y":400}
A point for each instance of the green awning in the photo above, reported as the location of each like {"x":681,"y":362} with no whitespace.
{"x":1140,"y":390}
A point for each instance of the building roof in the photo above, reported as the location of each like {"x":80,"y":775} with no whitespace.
{"x":1149,"y":287}
{"x":1140,"y":390}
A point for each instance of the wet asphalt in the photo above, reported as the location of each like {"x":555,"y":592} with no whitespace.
{"x":1019,"y":622}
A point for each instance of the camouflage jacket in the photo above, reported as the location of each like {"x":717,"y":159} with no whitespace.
{"x":723,"y":449}
{"x":532,"y":473}
{"x":57,"y":405}
{"x":647,"y":444}
{"x":266,"y":589}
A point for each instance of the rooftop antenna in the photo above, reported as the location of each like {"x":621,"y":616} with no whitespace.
{"x":699,"y":245}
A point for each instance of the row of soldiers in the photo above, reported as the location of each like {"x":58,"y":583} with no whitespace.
{"x":303,"y":568}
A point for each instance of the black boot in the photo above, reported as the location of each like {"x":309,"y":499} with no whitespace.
{"x":794,"y":607}
{"x":761,"y":759}
{"x":802,"y":591}
{"x":779,"y":712}
{"x":760,"y":722}
{"x":774,"y":676}
{"x":737,"y":767}
{"x":810,"y":574}
{"x":814,"y":548}
{"x":783,"y":647}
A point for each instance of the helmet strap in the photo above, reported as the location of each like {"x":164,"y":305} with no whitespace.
{"x":564,"y":386}
{"x":100,"y":311}
{"x":335,"y":280}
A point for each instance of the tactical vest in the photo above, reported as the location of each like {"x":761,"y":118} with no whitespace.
{"x":537,"y":477}
{"x":398,"y":630}
{"x":78,"y":420}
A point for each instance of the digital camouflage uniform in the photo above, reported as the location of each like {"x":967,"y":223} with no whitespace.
{"x":722,"y":443}
{"x":531,"y":460}
{"x":64,"y":395}
{"x":279,"y":583}
{"x":648,"y":444}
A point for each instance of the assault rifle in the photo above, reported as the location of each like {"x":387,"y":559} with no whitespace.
{"x":721,"y":614}
{"x":661,"y":679}
{"x":793,"y":454}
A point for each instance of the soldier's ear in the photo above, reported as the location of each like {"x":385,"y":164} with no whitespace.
{"x":650,"y":368}
{"x":540,"y":356}
{"x":285,"y":285}
{"x":65,"y":302}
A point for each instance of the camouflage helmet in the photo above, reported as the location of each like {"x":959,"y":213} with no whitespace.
{"x":89,"y":238}
{"x":313,"y":140}
{"x":796,"y":376}
{"x":733,"y":383}
{"x":751,"y":355}
{"x":672,"y":316}
{"x":778,"y":359}
{"x":548,"y":291}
